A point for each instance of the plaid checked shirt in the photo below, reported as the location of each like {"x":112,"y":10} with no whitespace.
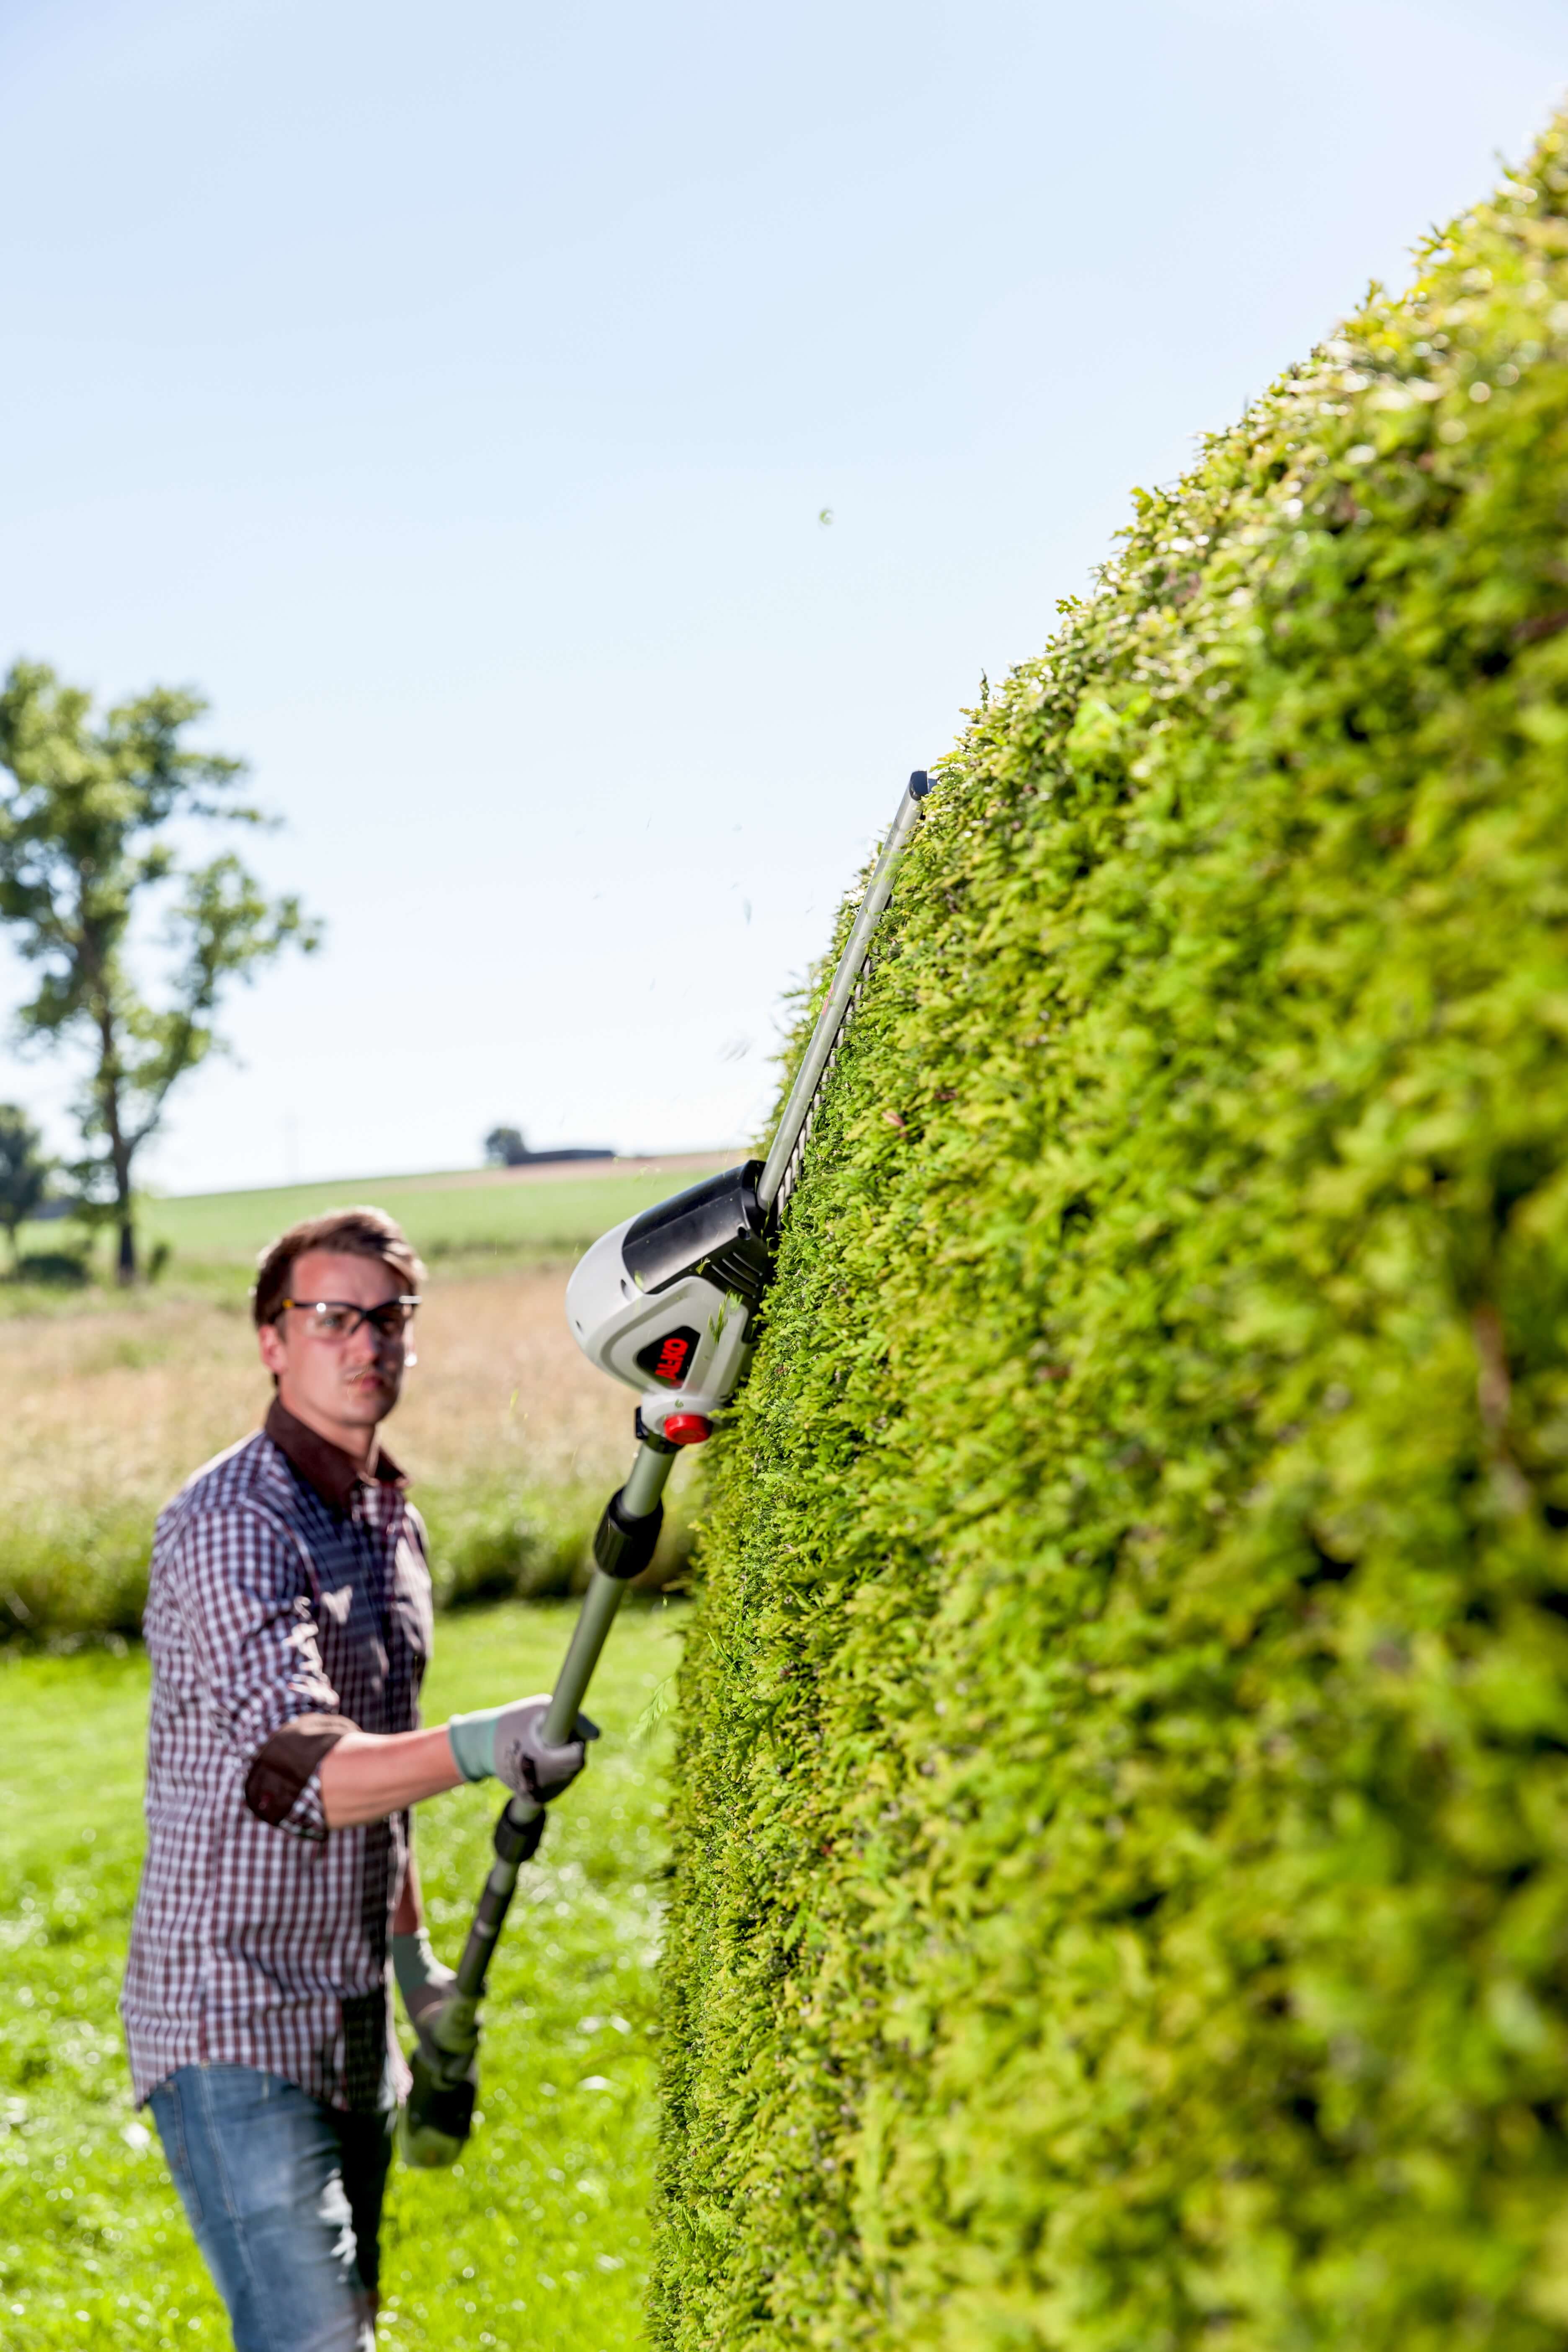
{"x":289,"y":1603}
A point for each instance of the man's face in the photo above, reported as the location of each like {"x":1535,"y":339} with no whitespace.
{"x":328,"y":1383}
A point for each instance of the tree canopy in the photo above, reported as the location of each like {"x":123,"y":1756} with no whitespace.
{"x":505,"y":1148}
{"x":93,"y":816}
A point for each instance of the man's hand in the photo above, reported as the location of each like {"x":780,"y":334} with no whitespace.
{"x":506,"y":1741}
{"x":524,"y":1759}
{"x":434,"y":2126}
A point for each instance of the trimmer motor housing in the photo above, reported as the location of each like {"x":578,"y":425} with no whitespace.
{"x":668,"y":1302}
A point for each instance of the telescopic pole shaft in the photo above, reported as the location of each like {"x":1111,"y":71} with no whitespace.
{"x":521,"y":1823}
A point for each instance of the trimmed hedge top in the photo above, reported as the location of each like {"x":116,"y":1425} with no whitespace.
{"x":1123,"y":1832}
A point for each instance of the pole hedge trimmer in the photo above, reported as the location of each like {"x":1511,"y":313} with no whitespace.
{"x":668,"y":1302}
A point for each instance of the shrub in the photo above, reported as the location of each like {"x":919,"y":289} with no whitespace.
{"x":1121,"y":1896}
{"x":55,"y":1268}
{"x":74,"y":1571}
{"x":81,"y":1569}
{"x":497,"y":1543}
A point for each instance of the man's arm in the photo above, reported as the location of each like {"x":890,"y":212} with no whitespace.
{"x":367,"y":1775}
{"x":309,"y":1770}
{"x":424,"y":1982}
{"x":408,"y":1918}
{"x":238,"y":1581}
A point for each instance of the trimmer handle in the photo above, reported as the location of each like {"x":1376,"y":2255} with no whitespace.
{"x":439,"y":2114}
{"x":434,"y":2127}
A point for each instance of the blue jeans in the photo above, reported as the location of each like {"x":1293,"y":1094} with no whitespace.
{"x":284,"y":2195}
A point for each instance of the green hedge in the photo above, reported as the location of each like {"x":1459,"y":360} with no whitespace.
{"x":1121,"y":1890}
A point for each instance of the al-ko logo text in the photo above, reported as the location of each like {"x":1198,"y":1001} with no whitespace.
{"x":664,"y":1359}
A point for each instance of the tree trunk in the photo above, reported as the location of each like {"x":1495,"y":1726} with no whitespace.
{"x":119,"y":1151}
{"x":124,"y":1221}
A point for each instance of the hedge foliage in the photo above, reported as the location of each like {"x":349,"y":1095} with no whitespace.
{"x":1121,"y":1894}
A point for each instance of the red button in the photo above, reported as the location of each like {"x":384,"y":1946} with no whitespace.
{"x":687,"y":1428}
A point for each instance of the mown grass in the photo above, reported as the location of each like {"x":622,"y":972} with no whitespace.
{"x":210,"y":1240}
{"x":503,"y":1210}
{"x":540,"y":2237}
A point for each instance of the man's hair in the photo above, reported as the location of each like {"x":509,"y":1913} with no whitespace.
{"x":353,"y":1233}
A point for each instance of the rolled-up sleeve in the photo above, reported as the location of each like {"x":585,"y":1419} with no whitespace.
{"x":245,"y":1595}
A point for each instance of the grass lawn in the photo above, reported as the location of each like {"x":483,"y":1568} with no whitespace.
{"x":540,"y":2237}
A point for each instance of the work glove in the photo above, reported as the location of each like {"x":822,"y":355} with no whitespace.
{"x":434,"y":2125}
{"x":506,"y":1741}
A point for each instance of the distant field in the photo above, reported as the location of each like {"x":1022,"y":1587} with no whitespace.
{"x":543,"y":1211}
{"x":111,"y":1399}
{"x":532,"y":1212}
{"x":511,"y":1437}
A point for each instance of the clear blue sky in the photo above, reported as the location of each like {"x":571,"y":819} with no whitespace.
{"x":452,"y":392}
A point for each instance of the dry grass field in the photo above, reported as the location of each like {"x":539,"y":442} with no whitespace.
{"x":109,"y":1401}
{"x":115,"y":1404}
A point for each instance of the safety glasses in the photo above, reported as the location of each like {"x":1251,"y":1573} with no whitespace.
{"x":337,"y":1319}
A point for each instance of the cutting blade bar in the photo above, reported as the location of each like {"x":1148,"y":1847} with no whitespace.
{"x":782,"y":1172}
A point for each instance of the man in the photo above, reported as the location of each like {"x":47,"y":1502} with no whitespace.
{"x":289,"y":1625}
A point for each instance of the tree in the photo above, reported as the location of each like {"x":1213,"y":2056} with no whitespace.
{"x":506,"y":1148}
{"x":23,"y":1172}
{"x":92,"y":820}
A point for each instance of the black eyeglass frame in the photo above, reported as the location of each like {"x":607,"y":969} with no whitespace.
{"x":407,"y":1301}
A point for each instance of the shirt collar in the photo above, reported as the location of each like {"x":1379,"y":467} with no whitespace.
{"x":325,"y":1467}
